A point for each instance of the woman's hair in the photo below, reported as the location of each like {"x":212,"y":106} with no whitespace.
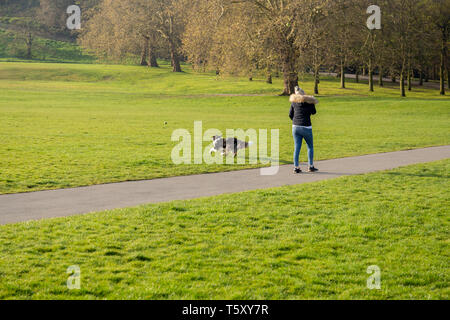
{"x":299,"y":91}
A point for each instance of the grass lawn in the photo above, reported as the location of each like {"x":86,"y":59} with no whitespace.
{"x":311,"y":241}
{"x":66,"y":125}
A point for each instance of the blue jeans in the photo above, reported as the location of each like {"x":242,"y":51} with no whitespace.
{"x":299,"y":134}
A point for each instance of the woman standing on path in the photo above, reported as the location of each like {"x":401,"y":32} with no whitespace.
{"x":302,"y":107}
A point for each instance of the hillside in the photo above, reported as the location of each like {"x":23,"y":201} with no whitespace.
{"x":22,"y":36}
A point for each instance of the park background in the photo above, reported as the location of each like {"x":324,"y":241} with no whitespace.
{"x":98,"y":105}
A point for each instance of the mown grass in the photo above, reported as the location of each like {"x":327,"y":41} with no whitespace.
{"x":312,"y":241}
{"x":72,"y":125}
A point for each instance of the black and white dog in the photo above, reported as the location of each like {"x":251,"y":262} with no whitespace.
{"x":228,"y":145}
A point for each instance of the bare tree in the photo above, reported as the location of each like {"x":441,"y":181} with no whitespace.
{"x":315,"y":44}
{"x":345,"y":33}
{"x":117,"y":28}
{"x":439,"y":13}
{"x":25,"y":35}
{"x":169,"y":24}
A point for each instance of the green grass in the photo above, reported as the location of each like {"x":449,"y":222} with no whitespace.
{"x":311,"y":241}
{"x":73,"y":125}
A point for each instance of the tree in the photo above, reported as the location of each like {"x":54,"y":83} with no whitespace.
{"x":260,"y":34}
{"x":315,"y":45}
{"x":140,"y":16}
{"x":169,"y":24}
{"x":117,"y":29}
{"x":345,"y":33}
{"x":281,"y":21}
{"x":402,"y":21}
{"x":25,"y":34}
{"x":202,"y":28}
{"x":383,"y":46}
{"x":107,"y":35}
{"x":439,"y":15}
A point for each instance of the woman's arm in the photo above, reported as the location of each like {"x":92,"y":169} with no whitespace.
{"x":292,"y":112}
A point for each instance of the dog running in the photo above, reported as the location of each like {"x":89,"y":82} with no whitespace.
{"x":228,"y":146}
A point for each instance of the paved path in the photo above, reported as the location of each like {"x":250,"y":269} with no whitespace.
{"x":67,"y":202}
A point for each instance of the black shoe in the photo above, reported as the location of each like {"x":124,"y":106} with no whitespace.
{"x":297,"y":171}
{"x":312,"y":169}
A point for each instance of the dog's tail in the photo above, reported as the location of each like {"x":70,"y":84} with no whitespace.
{"x":249,"y":144}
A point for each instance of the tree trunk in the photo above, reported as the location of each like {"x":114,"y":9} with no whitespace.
{"x":316,"y":80}
{"x":144,"y":57}
{"x":369,"y":67}
{"x":269,"y":79}
{"x":290,"y":73}
{"x":448,"y":77}
{"x":152,"y":58}
{"x":410,"y":80}
{"x":421,"y":77}
{"x":176,"y":63}
{"x":402,"y":84}
{"x":29,"y":56}
{"x":443,"y":60}
{"x":175,"y":60}
{"x":29,"y":42}
{"x":380,"y":81}
{"x":342,"y":75}
{"x":371,"y":80}
{"x":357,"y":75}
{"x":290,"y":82}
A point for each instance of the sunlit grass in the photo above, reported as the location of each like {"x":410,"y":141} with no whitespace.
{"x":311,"y":241}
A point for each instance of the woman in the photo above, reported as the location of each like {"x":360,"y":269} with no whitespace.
{"x":302,"y":107}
